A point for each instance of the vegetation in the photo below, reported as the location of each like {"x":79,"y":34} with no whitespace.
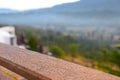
{"x":114,"y":58}
{"x":108,"y":69}
{"x":32,"y":42}
{"x":57,"y":52}
{"x":99,"y":54}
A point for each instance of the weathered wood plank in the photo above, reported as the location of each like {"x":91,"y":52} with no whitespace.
{"x":25,"y":72}
{"x":4,"y":76}
{"x":31,"y":63}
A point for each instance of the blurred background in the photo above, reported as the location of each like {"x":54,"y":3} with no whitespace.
{"x":86,"y":32}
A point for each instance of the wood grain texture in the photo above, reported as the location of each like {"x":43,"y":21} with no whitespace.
{"x":46,"y":67}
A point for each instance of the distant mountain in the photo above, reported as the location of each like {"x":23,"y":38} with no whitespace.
{"x":4,"y":11}
{"x":83,"y":5}
{"x":81,"y":13}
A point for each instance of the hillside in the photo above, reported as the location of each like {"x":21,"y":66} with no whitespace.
{"x":81,"y":13}
{"x":7,"y":11}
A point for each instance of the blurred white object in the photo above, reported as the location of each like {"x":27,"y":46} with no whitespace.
{"x":7,"y":35}
{"x":50,"y":54}
{"x":22,"y":46}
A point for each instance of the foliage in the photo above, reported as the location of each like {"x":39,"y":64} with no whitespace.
{"x":108,"y":69}
{"x":73,"y":47}
{"x":32,"y":42}
{"x":115,"y":57}
{"x":57,"y":52}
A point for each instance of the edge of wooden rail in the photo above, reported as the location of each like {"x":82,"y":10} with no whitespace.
{"x":27,"y":73}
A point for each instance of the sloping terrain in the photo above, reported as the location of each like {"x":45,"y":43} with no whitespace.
{"x":82,"y":13}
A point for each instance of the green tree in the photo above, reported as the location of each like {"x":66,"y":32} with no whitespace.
{"x":57,"y":52}
{"x":115,"y":57}
{"x":74,"y":49}
{"x":32,"y":42}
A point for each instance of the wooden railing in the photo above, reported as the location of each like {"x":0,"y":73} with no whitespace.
{"x":36,"y":66}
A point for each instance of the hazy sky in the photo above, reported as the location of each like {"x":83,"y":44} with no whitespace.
{"x":31,"y":4}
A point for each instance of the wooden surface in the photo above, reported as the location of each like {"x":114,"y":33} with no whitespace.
{"x":5,"y":77}
{"x":26,"y":63}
